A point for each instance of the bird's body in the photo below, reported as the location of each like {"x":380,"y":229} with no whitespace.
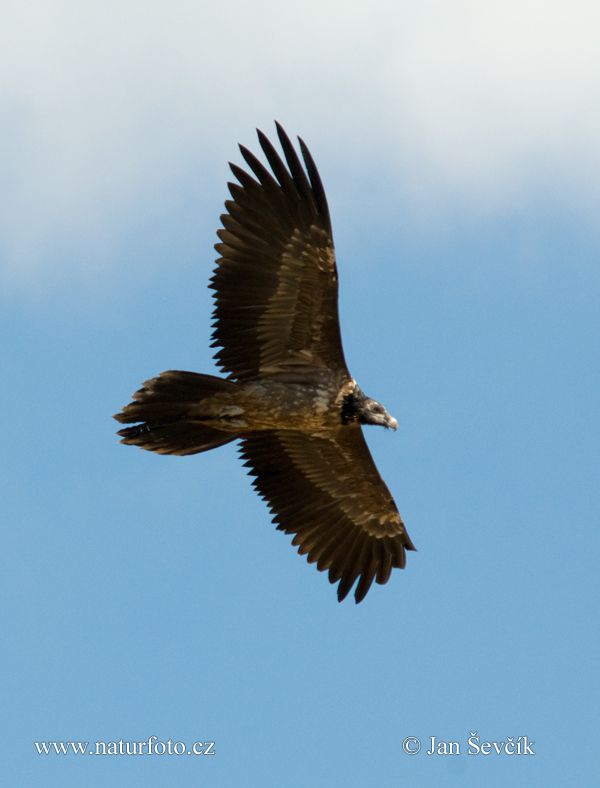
{"x":289,"y":396}
{"x":297,"y":403}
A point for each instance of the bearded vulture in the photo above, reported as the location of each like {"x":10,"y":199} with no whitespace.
{"x":288,"y":396}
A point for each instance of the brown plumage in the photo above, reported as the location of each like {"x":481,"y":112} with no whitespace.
{"x":288,"y":397}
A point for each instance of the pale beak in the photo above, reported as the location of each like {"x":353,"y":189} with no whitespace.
{"x":391,"y":422}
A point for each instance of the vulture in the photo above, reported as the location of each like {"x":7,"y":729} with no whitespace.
{"x":288,"y":396}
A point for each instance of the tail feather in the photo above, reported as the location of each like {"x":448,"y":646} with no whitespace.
{"x":163,"y":406}
{"x":180,"y":438}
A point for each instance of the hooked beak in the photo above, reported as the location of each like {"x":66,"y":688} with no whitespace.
{"x":391,"y":422}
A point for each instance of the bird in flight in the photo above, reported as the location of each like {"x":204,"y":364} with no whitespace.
{"x":288,"y":396}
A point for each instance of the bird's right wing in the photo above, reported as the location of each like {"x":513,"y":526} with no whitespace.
{"x":325,"y":489}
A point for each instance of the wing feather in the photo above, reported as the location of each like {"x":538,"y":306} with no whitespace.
{"x":325,"y":489}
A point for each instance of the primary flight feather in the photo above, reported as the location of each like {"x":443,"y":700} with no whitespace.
{"x":288,"y":397}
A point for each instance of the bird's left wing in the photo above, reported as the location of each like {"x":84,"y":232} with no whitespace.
{"x":325,"y":488}
{"x":276,"y":283}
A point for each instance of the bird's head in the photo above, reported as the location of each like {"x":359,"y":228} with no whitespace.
{"x":357,"y":408}
{"x":373,"y":412}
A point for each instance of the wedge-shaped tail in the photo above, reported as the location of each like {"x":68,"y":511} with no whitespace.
{"x":167,"y":407}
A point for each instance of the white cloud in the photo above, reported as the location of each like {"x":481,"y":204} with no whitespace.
{"x":499,"y":96}
{"x":106,"y":107}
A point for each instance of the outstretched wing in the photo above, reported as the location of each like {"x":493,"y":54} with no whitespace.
{"x":325,"y":489}
{"x":276,"y":280}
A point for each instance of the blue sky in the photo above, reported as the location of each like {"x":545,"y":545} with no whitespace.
{"x":150,"y":596}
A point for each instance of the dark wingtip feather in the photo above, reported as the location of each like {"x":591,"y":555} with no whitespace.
{"x":280,"y":171}
{"x":368,"y":573}
{"x":316,"y":183}
{"x":344,"y":589}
